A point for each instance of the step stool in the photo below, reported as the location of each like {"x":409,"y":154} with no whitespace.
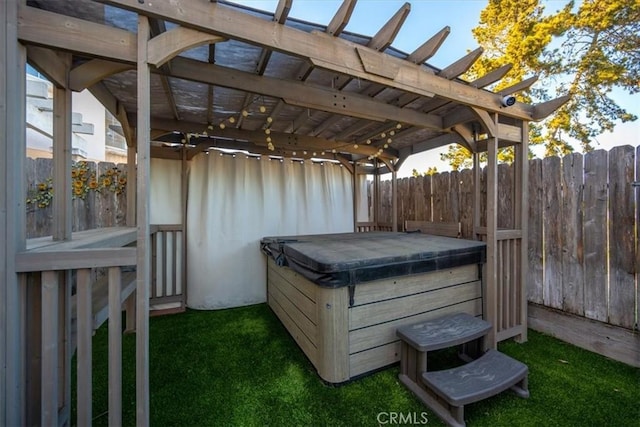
{"x":447,"y":391}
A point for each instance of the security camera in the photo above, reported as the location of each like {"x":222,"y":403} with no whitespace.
{"x":508,"y":101}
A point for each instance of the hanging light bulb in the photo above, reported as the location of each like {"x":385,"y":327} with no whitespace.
{"x":293,"y":154}
{"x":399,"y":125}
{"x":262,"y":108}
{"x":386,"y":145}
{"x":393,"y":132}
{"x":355,"y":146}
{"x":210,"y":127}
{"x":232,"y":120}
{"x":389,"y":140}
{"x":267,"y":131}
{"x":334,"y":151}
{"x":269,"y":119}
{"x":245,"y":113}
{"x":382,"y":135}
{"x":368,"y":141}
{"x":222,"y":126}
{"x":268,"y":139}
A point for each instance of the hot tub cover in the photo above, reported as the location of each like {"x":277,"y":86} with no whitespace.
{"x":335,"y":260}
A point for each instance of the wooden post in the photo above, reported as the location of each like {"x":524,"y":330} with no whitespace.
{"x":62,"y":214}
{"x":12,"y":216}
{"x":523,"y":223}
{"x":62,"y":225}
{"x":143,"y":247}
{"x":490,"y":295}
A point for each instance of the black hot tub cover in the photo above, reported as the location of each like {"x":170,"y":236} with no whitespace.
{"x":335,"y":260}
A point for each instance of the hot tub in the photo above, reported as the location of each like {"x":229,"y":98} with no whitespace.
{"x":342,"y":296}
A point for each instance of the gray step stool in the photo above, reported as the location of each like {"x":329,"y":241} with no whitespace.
{"x":447,"y":391}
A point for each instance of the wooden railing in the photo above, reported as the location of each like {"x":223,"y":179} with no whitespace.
{"x":57,"y":320}
{"x":509,"y":319}
{"x":168,"y":269}
{"x":100,"y":265}
{"x":363,"y":227}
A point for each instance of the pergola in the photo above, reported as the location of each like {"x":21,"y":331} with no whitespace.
{"x":184,"y":77}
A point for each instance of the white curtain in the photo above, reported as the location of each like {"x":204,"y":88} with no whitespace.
{"x":234,"y":201}
{"x":165,"y":192}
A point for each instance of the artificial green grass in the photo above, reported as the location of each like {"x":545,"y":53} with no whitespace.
{"x":239,"y":367}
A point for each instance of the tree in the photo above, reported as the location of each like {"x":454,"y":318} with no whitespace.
{"x":431,"y":171}
{"x":586,"y":50}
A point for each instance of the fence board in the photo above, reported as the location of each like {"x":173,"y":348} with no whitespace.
{"x":427,"y":212}
{"x":572,"y":256}
{"x":483,"y":197}
{"x":406,"y":198}
{"x":622,"y":247}
{"x":441,"y":197}
{"x":595,"y":234}
{"x":534,"y":275}
{"x":454,"y":196}
{"x":466,"y":203}
{"x":552,"y":229}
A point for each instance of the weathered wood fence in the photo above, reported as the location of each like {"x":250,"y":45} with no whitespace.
{"x":583,"y":226}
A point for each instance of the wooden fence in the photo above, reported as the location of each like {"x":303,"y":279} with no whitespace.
{"x":102,"y":206}
{"x":583,"y":226}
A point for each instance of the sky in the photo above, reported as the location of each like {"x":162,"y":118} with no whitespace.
{"x":426,"y":18}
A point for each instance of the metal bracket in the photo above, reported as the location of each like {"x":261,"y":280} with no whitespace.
{"x":352,"y":294}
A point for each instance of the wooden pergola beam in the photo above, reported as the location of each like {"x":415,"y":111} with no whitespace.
{"x":70,"y":34}
{"x":300,"y":94}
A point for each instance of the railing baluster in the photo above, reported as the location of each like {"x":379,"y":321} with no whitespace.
{"x":85,"y":332}
{"x":164,"y":264}
{"x":49,"y":385}
{"x":115,"y":347}
{"x":174,"y":258}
